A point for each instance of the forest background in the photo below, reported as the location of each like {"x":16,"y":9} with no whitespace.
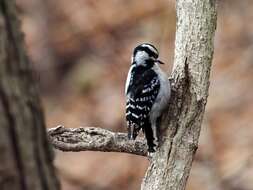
{"x":80,"y":51}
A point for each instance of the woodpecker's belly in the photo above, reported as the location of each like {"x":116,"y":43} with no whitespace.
{"x":162,"y":98}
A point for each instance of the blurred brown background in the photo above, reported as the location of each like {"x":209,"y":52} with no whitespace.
{"x":81,"y":52}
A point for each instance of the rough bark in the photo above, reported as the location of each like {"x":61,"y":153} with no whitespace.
{"x":94,"y":139}
{"x":170,"y":166}
{"x":26,"y":161}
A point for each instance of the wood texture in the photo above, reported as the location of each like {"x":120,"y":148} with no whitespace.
{"x":170,"y":166}
{"x":26,"y":161}
{"x":94,"y":139}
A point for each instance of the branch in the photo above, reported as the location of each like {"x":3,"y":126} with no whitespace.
{"x":94,"y":139}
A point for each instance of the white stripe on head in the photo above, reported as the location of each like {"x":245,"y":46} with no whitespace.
{"x":150,"y":47}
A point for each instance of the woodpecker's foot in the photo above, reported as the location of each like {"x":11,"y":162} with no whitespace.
{"x":150,"y":155}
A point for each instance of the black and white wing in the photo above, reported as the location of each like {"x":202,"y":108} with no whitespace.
{"x":141,"y":92}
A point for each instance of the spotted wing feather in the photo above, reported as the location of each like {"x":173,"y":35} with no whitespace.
{"x":141,"y":94}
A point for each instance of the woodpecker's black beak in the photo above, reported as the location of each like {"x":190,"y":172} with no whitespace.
{"x":158,"y":61}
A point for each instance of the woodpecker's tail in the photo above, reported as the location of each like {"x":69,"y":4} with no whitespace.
{"x":151,"y":140}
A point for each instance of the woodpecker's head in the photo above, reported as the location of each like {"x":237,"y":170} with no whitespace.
{"x":146,"y":55}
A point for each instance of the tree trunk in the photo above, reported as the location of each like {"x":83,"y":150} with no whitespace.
{"x":26,"y":161}
{"x":170,"y":166}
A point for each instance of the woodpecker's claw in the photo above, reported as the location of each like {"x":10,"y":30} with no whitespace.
{"x":150,"y":155}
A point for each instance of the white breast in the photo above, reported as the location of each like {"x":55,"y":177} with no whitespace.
{"x":163,"y":96}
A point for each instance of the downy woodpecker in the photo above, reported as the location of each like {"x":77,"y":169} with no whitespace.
{"x":147,"y":94}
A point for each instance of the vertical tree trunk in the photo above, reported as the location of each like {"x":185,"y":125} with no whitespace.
{"x":196,"y":24}
{"x":25,"y":160}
